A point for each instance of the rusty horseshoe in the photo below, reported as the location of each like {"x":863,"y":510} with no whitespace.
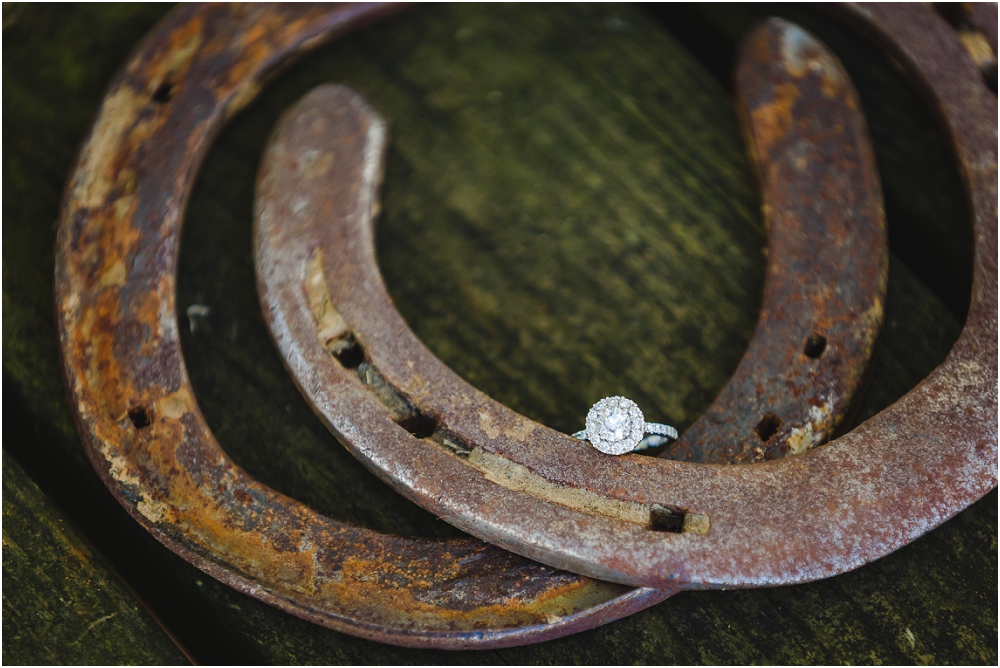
{"x":549,"y":497}
{"x":317,"y":197}
{"x":135,"y":409}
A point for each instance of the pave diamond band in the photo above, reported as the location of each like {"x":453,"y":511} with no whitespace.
{"x":661,"y":430}
{"x":615,"y":425}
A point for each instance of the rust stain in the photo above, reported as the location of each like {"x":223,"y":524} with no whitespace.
{"x":173,"y":62}
{"x":773,"y":120}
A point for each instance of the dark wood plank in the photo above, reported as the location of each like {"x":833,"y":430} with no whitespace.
{"x":568,"y":213}
{"x":61,"y":603}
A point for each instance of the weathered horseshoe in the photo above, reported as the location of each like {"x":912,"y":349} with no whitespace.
{"x":320,"y":173}
{"x":116,"y":265}
{"x":316,"y":202}
{"x":549,"y":497}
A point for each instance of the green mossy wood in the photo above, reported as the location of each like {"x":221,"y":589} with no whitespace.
{"x":62,"y":604}
{"x":568,"y":213}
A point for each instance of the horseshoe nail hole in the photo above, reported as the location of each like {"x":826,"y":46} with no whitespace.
{"x":666,"y":518}
{"x":418,"y":424}
{"x":768,"y":427}
{"x":140,"y":417}
{"x":815,"y":347}
{"x":347,"y":351}
{"x":402,"y":413}
{"x":163,"y":93}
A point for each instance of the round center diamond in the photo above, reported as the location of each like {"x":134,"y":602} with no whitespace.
{"x":615,"y":424}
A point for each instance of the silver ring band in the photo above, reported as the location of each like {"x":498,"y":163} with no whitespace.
{"x":661,"y":430}
{"x":651,"y":428}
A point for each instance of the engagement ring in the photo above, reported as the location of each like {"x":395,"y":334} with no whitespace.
{"x":615,"y":425}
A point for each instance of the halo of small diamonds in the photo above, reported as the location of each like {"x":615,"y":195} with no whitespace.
{"x":615,"y":425}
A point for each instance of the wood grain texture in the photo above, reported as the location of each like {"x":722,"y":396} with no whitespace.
{"x":568,"y":213}
{"x":61,"y":603}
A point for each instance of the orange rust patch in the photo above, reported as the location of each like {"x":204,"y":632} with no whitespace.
{"x":270,"y":33}
{"x":773,"y":121}
{"x":360,"y":590}
{"x":171,"y":64}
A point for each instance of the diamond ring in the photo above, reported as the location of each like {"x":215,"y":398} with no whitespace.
{"x":615,"y":425}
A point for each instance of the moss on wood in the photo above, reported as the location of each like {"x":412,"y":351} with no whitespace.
{"x":61,"y":602}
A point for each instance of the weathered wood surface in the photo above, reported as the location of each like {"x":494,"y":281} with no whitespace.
{"x":61,"y":603}
{"x":568,"y":213}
